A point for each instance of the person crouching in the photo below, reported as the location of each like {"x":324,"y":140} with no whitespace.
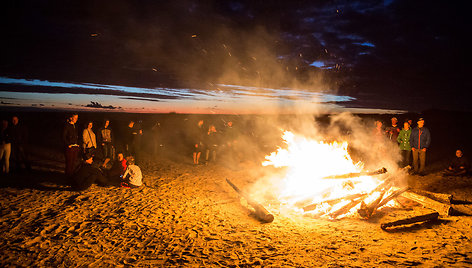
{"x":87,"y":174}
{"x":133,"y":177}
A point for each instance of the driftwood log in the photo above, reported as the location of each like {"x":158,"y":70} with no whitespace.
{"x":462,"y":209}
{"x":443,"y":198}
{"x":357,"y":174}
{"x":416,"y":219}
{"x":441,"y":208}
{"x":259,"y":211}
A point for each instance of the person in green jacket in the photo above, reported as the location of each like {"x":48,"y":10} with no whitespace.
{"x":403,"y":140}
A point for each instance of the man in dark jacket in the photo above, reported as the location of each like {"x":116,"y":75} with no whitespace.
{"x":19,"y":139}
{"x":70,"y":137}
{"x":420,"y":139}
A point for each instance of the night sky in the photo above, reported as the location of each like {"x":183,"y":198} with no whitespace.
{"x":404,"y":55}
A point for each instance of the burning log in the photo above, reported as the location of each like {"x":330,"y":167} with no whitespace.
{"x":384,"y":186}
{"x":333,"y":201}
{"x":259,"y":211}
{"x":416,"y":219}
{"x":345,"y":209}
{"x":442,"y":209}
{"x":366,"y":211}
{"x":357,"y":174}
{"x":305,"y":202}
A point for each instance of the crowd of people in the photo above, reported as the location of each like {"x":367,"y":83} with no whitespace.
{"x":95,"y":157}
{"x":100,"y":164}
{"x":413,"y":144}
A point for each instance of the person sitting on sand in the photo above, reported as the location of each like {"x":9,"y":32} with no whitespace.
{"x":87,"y":174}
{"x":458,"y":166}
{"x":133,"y":176}
{"x":118,"y":168}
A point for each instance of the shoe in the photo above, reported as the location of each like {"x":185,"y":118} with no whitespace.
{"x":125,"y":185}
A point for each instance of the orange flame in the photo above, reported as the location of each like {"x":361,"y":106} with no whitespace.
{"x":307,"y":162}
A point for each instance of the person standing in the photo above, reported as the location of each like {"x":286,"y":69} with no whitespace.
{"x":393,"y":131}
{"x":211,"y":144}
{"x":89,"y":139}
{"x":198,"y":142}
{"x":156,"y":138}
{"x":403,"y":140}
{"x":105,"y":139}
{"x":19,"y":140}
{"x":5,"y":146}
{"x":70,"y":138}
{"x":420,"y":139}
{"x":130,"y":135}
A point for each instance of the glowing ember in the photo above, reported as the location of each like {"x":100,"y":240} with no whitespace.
{"x":307,"y":163}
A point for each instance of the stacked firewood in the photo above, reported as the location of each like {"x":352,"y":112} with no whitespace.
{"x":371,"y":202}
{"x":378,"y":197}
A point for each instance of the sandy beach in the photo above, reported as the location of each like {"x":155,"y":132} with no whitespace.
{"x":188,"y":216}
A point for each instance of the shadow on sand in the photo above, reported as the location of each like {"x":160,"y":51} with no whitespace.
{"x":35,"y":179}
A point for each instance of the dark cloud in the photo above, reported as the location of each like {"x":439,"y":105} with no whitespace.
{"x":419,"y":48}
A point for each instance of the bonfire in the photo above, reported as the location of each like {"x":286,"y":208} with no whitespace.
{"x":322,"y":179}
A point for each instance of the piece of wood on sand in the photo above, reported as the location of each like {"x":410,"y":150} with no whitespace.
{"x":259,"y":211}
{"x":462,"y":209}
{"x":411,"y":220}
{"x":441,"y":208}
{"x":443,"y":198}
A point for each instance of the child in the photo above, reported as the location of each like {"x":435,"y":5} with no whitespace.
{"x":133,"y":176}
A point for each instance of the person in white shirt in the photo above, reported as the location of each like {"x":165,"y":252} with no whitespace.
{"x":89,"y":138}
{"x":133,"y":176}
